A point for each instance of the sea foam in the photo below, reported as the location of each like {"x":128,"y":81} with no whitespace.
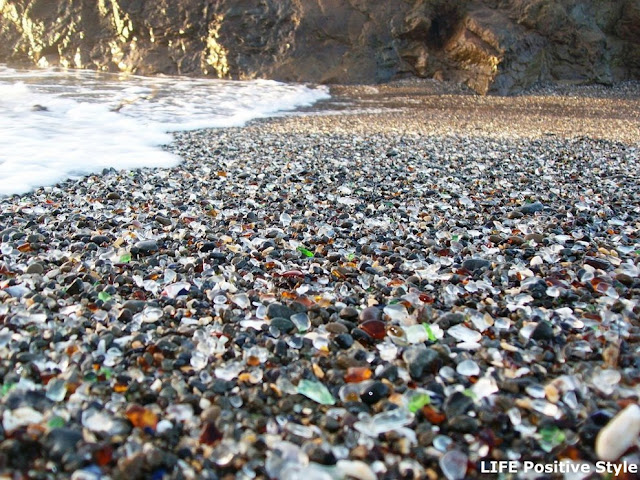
{"x":59,"y":124}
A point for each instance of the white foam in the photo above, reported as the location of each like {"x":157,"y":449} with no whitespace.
{"x":93,"y":121}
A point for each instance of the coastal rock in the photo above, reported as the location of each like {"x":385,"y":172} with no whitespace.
{"x":489,"y":45}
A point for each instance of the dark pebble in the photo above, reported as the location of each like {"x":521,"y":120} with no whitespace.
{"x":598,"y":263}
{"x":146,"y":246}
{"x":361,"y":336}
{"x":450,"y":319}
{"x":349,"y":313}
{"x":134,"y":305}
{"x":344,"y":340}
{"x":100,"y":239}
{"x":283,"y":324}
{"x":463,"y":424}
{"x":370,"y":313}
{"x":76,"y":287}
{"x":420,"y":361}
{"x":390,"y":373}
{"x":322,"y":455}
{"x":530,"y":208}
{"x":376,"y":392}
{"x":543,"y":331}
{"x":474,"y":264}
{"x":61,"y":441}
{"x":163,"y":220}
{"x":208,"y":246}
{"x":35,"y":268}
{"x":279,"y":310}
{"x":336,"y":327}
{"x":457,"y":404}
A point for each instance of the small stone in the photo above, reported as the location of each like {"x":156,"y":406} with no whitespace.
{"x":100,"y":239}
{"x":393,"y":152}
{"x":336,"y":327}
{"x":198,"y":360}
{"x":209,"y":246}
{"x":530,"y":208}
{"x":370,"y":313}
{"x":61,"y":441}
{"x":134,"y":305}
{"x":450,"y":319}
{"x":349,"y":313}
{"x":97,"y":421}
{"x":76,"y":287}
{"x":619,"y":434}
{"x":543,"y":331}
{"x":463,"y":424}
{"x":624,"y":279}
{"x":150,"y":314}
{"x":361,"y":336}
{"x":163,"y":220}
{"x":146,"y":246}
{"x":420,"y":360}
{"x":374,"y":393}
{"x":177,"y":289}
{"x":282,"y":324}
{"x":457,"y":404}
{"x":344,"y":340}
{"x":241,"y":300}
{"x":474,"y":264}
{"x":279,"y":310}
{"x":516,"y":240}
{"x":598,"y":263}
{"x":35,"y":269}
{"x":535,"y":237}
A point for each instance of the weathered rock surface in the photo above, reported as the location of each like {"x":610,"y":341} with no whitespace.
{"x":490,"y":45}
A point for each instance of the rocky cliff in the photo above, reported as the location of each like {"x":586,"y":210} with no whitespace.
{"x":491,"y":45}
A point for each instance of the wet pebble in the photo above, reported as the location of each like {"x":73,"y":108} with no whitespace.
{"x":275,"y":310}
{"x":420,"y":360}
{"x":374,"y":393}
{"x":146,"y":246}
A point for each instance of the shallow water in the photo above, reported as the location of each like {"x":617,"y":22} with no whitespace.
{"x":56,"y":124}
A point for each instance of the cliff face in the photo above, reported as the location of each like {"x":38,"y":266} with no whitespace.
{"x":490,"y":45}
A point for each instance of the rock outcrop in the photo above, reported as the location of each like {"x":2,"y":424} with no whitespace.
{"x":490,"y":45}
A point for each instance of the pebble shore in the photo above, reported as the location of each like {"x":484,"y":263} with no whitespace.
{"x":400,"y":283}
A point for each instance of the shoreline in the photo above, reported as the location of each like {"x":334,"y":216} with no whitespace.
{"x":435,"y":108}
{"x":404,"y":291}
